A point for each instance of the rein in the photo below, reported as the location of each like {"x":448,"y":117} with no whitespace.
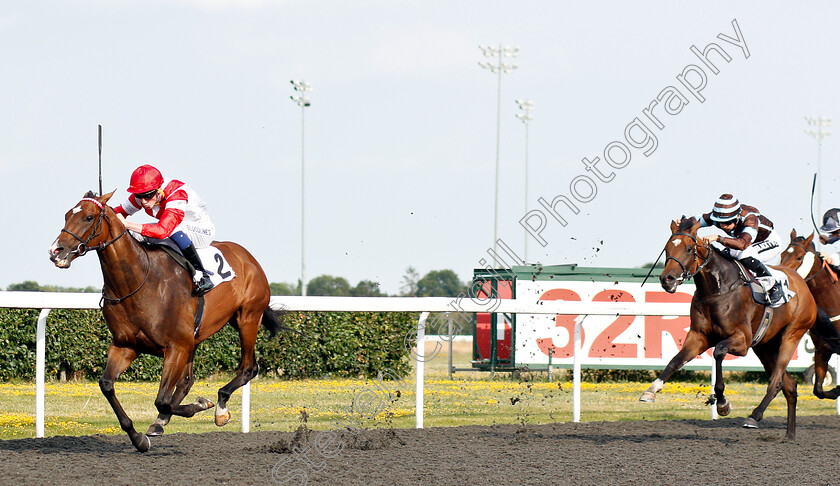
{"x":145,"y":278}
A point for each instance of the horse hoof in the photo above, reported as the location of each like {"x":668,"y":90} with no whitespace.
{"x":724,"y":408}
{"x":205,"y":403}
{"x":222,"y":418}
{"x":648,"y":397}
{"x":144,"y":444}
{"x":155,"y":430}
{"x":750,"y":423}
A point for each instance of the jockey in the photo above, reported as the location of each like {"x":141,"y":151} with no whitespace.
{"x":752,"y":239}
{"x":831,"y":228}
{"x":182,"y":216}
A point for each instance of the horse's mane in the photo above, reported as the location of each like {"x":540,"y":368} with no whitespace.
{"x":686,"y":223}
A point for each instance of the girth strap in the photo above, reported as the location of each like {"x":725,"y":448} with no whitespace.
{"x":763,"y":325}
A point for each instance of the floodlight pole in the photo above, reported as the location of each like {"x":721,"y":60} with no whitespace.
{"x":302,"y":87}
{"x":526,"y":106}
{"x":819,"y":134}
{"x":499,"y":68}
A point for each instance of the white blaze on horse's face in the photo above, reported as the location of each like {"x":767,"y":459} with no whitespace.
{"x":77,"y":209}
{"x":676,"y":242}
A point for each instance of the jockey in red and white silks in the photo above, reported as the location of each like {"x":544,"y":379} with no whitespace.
{"x":180,"y":208}
{"x":182,"y":216}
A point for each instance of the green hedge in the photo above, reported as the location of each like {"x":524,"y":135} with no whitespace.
{"x":329,"y":344}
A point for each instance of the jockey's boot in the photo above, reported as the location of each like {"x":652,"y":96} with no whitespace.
{"x":202,"y":284}
{"x":758,"y":268}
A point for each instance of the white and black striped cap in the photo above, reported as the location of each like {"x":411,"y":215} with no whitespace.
{"x":726,"y":209}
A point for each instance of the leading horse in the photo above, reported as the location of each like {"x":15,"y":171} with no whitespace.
{"x":725,"y":317}
{"x":148,"y":305}
{"x":802,"y":256}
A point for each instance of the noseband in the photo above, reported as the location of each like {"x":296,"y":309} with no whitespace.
{"x":686,"y":268}
{"x":83,"y":243}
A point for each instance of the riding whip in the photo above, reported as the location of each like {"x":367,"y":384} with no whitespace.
{"x":100,"y":160}
{"x":653,"y":266}
{"x":813,"y":187}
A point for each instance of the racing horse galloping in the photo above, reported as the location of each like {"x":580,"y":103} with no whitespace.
{"x":802,"y":256}
{"x":725,"y":316}
{"x":149,"y":307}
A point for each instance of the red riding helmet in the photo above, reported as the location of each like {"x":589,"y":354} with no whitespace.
{"x":144,"y":179}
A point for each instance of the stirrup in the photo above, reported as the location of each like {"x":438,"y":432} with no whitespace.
{"x":775,"y":294}
{"x":203,"y":286}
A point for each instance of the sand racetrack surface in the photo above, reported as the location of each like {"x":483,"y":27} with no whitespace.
{"x":649,"y":452}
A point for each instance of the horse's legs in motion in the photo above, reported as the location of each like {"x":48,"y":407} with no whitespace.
{"x":736,"y":345}
{"x":695,"y":343}
{"x":248,"y":323}
{"x":118,"y":361}
{"x":177,"y":360}
{"x":181,"y":391}
{"x":775,"y":364}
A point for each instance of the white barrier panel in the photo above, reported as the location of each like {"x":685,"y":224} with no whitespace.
{"x":522,"y":305}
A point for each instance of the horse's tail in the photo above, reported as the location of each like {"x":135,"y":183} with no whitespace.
{"x":824,"y":329}
{"x":274,"y":322}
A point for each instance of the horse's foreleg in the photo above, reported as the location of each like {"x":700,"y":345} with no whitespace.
{"x":118,"y":361}
{"x":181,"y":391}
{"x":175,"y":364}
{"x":737,"y":346}
{"x":695,"y":343}
{"x":821,"y":357}
{"x":249,"y":324}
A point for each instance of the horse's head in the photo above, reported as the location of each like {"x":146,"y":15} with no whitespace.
{"x":800,"y":251}
{"x":86,"y":227}
{"x":681,"y":260}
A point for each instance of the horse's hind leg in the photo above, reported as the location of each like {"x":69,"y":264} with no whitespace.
{"x":695,"y":343}
{"x":775,"y":363}
{"x":176,"y":361}
{"x":118,"y":361}
{"x":248,"y":323}
{"x":181,"y":391}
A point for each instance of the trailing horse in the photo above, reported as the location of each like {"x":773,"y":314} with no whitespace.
{"x":800,"y":255}
{"x":724,"y":316}
{"x":149,"y":307}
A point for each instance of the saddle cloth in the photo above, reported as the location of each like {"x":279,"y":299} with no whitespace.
{"x":211,"y":257}
{"x":761,"y":285}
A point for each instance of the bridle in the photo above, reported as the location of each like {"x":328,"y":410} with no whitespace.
{"x":687,"y":274}
{"x":83,"y":244}
{"x":83,"y":248}
{"x":823,"y":265}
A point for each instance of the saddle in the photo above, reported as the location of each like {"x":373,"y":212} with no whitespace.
{"x":759,"y":293}
{"x":760,"y":285}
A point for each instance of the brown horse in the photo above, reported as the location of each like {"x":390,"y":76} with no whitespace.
{"x":801,"y":255}
{"x":148,"y":305}
{"x":725,"y":316}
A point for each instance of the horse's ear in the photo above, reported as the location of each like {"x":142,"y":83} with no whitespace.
{"x":695,"y":227}
{"x":674,"y":227}
{"x":104,"y":198}
{"x":793,"y":234}
{"x":809,"y":239}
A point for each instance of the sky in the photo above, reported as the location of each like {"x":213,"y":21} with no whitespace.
{"x":400,"y":143}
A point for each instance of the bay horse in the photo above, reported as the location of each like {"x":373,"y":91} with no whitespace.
{"x":802,"y":256}
{"x":725,"y":317}
{"x":149,"y":308}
